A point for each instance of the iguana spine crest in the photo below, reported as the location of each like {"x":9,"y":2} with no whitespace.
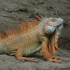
{"x":23,"y":27}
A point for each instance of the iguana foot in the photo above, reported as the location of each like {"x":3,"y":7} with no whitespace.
{"x":27,"y":59}
{"x":54,"y":60}
{"x":30,"y":59}
{"x":57,"y":58}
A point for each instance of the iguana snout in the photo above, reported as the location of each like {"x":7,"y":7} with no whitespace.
{"x":53,"y":24}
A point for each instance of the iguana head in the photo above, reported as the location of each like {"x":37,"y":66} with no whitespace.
{"x":52,"y":28}
{"x":53,"y":24}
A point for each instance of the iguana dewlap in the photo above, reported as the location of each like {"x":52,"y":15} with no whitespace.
{"x":33,"y":37}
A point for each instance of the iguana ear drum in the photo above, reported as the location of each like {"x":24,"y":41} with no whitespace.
{"x":50,"y":29}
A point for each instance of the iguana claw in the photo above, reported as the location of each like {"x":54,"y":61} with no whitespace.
{"x":54,"y":60}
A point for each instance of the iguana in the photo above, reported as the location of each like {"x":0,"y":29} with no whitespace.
{"x":31,"y":36}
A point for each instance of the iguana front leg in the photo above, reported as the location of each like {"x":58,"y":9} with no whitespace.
{"x":45,"y":52}
{"x":50,"y":51}
{"x":54,"y":44}
{"x":20,"y":53}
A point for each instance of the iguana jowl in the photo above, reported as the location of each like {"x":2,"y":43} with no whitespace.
{"x":32,"y":37}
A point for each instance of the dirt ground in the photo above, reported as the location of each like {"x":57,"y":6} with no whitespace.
{"x":14,"y":11}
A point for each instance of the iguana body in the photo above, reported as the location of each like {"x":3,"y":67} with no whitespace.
{"x":32,"y":39}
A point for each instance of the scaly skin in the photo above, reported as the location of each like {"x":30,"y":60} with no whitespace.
{"x":32,"y":40}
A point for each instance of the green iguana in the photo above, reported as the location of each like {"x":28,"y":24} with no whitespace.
{"x":40,"y":33}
